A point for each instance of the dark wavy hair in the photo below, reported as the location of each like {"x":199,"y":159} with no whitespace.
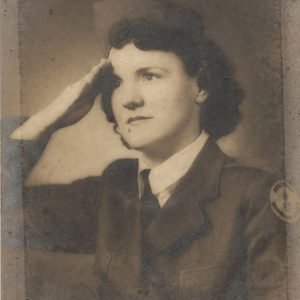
{"x":180,"y":31}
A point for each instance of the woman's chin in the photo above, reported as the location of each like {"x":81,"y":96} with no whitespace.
{"x":138,"y":144}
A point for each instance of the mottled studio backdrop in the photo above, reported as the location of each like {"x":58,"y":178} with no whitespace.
{"x":61,"y":40}
{"x":58,"y":41}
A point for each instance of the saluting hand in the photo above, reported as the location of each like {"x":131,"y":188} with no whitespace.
{"x":68,"y":108}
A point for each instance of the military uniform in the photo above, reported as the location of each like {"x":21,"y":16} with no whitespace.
{"x":215,"y":238}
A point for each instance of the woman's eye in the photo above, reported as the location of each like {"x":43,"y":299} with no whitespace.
{"x":150,"y":76}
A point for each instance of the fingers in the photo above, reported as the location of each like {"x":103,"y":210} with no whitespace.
{"x":84,"y":83}
{"x":95,"y":70}
{"x":74,"y":91}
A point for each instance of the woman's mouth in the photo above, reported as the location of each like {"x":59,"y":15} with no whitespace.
{"x":137,"y":119}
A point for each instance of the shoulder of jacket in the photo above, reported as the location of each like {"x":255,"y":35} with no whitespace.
{"x":249,"y":186}
{"x":120,"y":166}
{"x":248,"y":175}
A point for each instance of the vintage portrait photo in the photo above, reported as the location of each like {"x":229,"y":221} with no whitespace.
{"x":149,"y":150}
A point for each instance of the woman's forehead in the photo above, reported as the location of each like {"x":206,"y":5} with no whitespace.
{"x":131,"y":58}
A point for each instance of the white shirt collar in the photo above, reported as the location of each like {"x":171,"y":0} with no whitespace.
{"x":171,"y":170}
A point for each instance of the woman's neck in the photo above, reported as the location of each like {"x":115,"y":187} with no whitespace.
{"x":157,"y":153}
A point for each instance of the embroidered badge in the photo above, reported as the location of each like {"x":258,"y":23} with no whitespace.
{"x":285,"y":201}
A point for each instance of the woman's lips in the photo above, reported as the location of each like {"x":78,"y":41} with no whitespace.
{"x":137,"y":119}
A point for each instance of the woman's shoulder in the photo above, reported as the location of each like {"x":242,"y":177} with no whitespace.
{"x":250,"y":184}
{"x":124,"y":166}
{"x":241,"y":172}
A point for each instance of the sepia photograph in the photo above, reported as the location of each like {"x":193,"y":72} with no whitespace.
{"x":150,"y":149}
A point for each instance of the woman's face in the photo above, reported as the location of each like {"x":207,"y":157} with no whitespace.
{"x":156,"y":104}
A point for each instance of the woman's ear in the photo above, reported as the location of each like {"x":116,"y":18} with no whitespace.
{"x":201,"y":96}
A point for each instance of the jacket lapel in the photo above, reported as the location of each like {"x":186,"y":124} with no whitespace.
{"x":185,"y":215}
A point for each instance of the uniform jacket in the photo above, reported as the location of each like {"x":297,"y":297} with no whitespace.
{"x":215,"y":238}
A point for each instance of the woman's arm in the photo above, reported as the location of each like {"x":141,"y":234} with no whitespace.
{"x":67,"y":109}
{"x":266,"y":239}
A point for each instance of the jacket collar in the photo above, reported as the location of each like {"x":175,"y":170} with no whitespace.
{"x":166,"y":174}
{"x":185,"y":215}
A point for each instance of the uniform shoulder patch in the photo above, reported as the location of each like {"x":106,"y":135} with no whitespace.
{"x":285,"y":201}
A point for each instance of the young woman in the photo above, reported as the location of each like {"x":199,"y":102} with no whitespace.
{"x":183,"y":221}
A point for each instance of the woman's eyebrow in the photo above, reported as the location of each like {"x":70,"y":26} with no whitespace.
{"x":152,"y":68}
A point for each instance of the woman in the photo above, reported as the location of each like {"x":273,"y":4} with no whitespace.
{"x":183,"y":221}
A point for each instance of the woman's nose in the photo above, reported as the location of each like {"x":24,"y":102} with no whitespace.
{"x":132,"y":98}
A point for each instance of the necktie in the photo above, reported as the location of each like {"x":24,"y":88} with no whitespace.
{"x":149,"y":204}
{"x":149,"y":209}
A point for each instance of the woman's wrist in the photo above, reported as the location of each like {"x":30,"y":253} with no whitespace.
{"x":34,"y":128}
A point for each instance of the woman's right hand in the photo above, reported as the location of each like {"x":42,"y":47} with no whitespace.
{"x":68,"y":108}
